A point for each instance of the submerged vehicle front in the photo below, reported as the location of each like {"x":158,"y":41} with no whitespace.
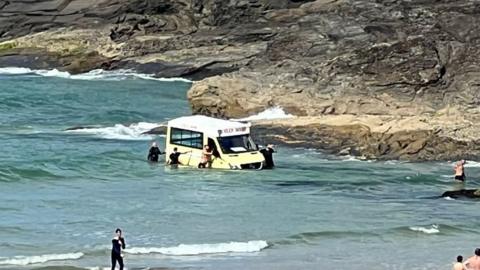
{"x":229,"y":141}
{"x":241,"y":152}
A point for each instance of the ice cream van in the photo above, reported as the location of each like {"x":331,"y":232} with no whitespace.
{"x":230,"y":143}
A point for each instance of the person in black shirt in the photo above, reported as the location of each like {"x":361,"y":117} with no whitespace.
{"x":118,"y":243}
{"x":154,"y":152}
{"x":174,"y":157}
{"x":268,"y":155}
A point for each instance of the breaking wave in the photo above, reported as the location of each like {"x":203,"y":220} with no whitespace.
{"x":120,"y":132}
{"x":186,"y":250}
{"x":93,"y":75}
{"x":428,"y":230}
{"x":268,"y":114}
{"x":472,"y":164}
{"x":26,"y":260}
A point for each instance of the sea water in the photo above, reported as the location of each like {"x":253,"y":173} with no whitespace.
{"x":63,"y":193}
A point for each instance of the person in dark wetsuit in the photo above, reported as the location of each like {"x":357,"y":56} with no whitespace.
{"x":154,"y":152}
{"x":268,"y":155}
{"x":118,"y":243}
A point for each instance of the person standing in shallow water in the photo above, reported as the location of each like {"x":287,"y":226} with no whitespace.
{"x":473,"y":263}
{"x":459,"y":265}
{"x":460,"y":170}
{"x":268,"y":155}
{"x":154,"y":152}
{"x":206,"y":160}
{"x":174,"y":156}
{"x":118,"y":243}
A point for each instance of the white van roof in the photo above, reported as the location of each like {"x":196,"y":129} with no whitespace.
{"x":210,"y":126}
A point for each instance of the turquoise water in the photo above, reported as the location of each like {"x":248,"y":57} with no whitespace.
{"x":63,"y":193}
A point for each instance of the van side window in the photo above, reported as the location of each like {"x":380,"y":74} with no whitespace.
{"x":186,"y":138}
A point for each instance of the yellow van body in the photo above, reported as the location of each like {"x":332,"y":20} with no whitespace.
{"x":230,"y":141}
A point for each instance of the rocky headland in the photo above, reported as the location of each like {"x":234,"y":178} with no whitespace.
{"x":390,"y":79}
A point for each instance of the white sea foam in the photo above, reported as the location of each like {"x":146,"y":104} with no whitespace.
{"x":469,"y":163}
{"x":449,"y":198}
{"x":186,"y":250}
{"x":268,"y":114}
{"x":97,"y":74}
{"x":120,"y":132}
{"x":26,"y":260}
{"x":350,"y":158}
{"x":472,"y":164}
{"x":432,"y":230}
{"x":392,"y":162}
{"x":15,"y":70}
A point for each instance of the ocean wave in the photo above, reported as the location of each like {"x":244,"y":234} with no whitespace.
{"x":93,"y":75}
{"x":119,"y":132}
{"x":268,"y":114}
{"x":472,"y":164}
{"x":10,"y":173}
{"x":311,"y":236}
{"x":186,"y":250}
{"x":26,"y":260}
{"x":428,"y":230}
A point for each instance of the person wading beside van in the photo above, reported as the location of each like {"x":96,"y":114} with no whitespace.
{"x":206,"y":160}
{"x":268,"y":155}
{"x":154,"y":152}
{"x":173,"y":158}
{"x":118,"y":243}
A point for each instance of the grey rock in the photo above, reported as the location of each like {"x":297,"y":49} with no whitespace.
{"x":463,"y":193}
{"x":323,"y":57}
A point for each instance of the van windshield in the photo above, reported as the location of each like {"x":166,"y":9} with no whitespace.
{"x":237,"y":144}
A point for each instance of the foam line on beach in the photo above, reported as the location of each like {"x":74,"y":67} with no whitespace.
{"x":26,"y":260}
{"x":93,"y":75}
{"x":198,"y":249}
{"x":120,"y":132}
